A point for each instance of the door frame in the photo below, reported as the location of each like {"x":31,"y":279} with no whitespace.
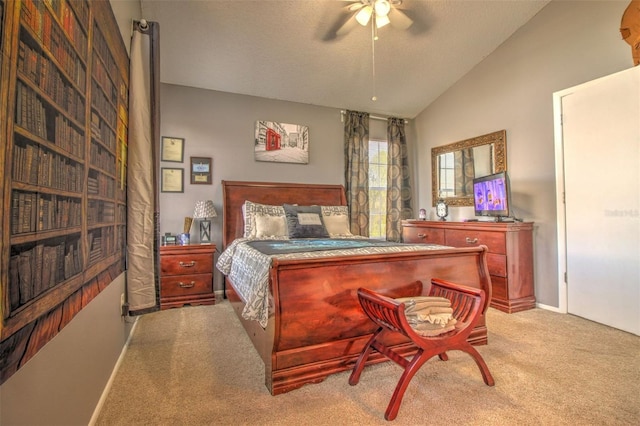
{"x":561,"y":219}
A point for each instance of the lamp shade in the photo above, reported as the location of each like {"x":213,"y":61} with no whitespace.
{"x":204,"y":209}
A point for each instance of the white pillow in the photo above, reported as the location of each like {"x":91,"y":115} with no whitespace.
{"x":270,"y":226}
{"x":253,"y":210}
{"x":336,"y":220}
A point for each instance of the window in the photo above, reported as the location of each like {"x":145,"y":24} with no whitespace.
{"x":377,"y":189}
{"x":447,"y":175}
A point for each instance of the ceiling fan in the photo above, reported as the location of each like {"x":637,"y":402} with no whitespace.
{"x":379,"y":13}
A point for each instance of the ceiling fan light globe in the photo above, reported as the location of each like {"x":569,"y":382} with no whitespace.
{"x":382,"y":8}
{"x":381,"y":21}
{"x":364,"y":15}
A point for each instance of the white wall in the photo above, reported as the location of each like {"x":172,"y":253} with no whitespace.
{"x":566,"y":43}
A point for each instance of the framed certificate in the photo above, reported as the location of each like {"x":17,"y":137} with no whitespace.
{"x":172,"y":180}
{"x":200,"y":170}
{"x":172,"y":149}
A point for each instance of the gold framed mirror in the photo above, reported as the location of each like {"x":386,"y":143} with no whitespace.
{"x":454,"y":166}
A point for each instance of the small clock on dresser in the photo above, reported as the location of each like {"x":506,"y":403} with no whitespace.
{"x":442,"y":210}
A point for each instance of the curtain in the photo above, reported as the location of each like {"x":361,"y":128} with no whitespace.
{"x":356,"y":158}
{"x":142,"y":194}
{"x":464,"y":172}
{"x":399,"y":199}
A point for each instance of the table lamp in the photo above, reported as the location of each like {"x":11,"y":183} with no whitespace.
{"x":204,"y":210}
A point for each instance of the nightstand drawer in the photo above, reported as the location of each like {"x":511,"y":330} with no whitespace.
{"x":183,"y":285}
{"x":186,"y":264}
{"x":471,"y":238}
{"x":422,"y":235}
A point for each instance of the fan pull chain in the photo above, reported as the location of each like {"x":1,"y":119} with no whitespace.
{"x":374,"y":36}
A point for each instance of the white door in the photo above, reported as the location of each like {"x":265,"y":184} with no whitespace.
{"x":600,"y":146}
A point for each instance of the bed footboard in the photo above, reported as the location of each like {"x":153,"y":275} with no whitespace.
{"x":317,"y":327}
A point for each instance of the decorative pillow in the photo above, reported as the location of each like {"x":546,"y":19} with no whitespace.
{"x":305,"y":222}
{"x":271,"y":227}
{"x":429,"y":315}
{"x":336,"y":220}
{"x":253,"y":210}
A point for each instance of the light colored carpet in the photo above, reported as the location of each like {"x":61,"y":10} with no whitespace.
{"x":196,"y":366}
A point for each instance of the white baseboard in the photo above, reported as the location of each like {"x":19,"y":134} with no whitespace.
{"x":107,"y":388}
{"x":550,"y":308}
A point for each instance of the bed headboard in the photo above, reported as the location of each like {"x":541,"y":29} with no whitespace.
{"x":235,"y":193}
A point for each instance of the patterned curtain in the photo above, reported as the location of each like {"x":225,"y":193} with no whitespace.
{"x":142,"y":189}
{"x":464,"y":172}
{"x":399,"y":200}
{"x":356,"y":175}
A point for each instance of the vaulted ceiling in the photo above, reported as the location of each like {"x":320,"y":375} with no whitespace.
{"x":313,"y":52}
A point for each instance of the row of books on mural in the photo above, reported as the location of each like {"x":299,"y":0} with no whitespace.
{"x":102,"y":185}
{"x":58,"y":33}
{"x":35,"y":270}
{"x":36,"y":165}
{"x":32,"y":212}
{"x":43,"y":73}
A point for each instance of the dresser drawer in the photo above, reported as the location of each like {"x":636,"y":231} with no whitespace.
{"x":422,"y":235}
{"x":497,"y":264}
{"x":186,"y":264}
{"x":471,"y":238}
{"x":182,"y":285}
{"x":499,"y":289}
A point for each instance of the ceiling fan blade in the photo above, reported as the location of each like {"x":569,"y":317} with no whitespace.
{"x":349,"y":25}
{"x":399,"y":19}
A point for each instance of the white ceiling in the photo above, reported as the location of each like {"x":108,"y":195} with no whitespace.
{"x":289,"y":50}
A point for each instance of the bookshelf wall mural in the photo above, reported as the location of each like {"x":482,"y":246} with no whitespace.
{"x":64,"y":96}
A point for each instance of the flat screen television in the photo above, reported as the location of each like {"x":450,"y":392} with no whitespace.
{"x":492,"y":195}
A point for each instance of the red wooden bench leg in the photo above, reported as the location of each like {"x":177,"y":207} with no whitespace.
{"x":362,"y":359}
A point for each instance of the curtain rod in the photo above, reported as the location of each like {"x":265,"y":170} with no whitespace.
{"x":373,"y":117}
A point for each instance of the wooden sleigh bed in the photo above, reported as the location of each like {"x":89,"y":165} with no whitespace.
{"x":316,"y":326}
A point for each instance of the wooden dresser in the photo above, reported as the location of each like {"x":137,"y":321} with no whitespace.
{"x":186,"y":275}
{"x":510,"y":257}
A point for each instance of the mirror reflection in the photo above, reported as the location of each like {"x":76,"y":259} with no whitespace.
{"x":454,"y":166}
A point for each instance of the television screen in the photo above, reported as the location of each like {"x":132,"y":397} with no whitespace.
{"x":491,"y":195}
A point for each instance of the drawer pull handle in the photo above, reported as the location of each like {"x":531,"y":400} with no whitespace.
{"x":187,"y":285}
{"x":423,"y":236}
{"x":470,"y":241}
{"x":188,"y":264}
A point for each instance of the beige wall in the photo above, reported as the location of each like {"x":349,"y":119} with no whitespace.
{"x":63,"y":382}
{"x":567,"y":43}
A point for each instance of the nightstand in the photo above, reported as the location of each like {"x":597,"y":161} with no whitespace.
{"x":186,"y":275}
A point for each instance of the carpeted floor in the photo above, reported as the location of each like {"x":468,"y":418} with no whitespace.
{"x":196,"y":366}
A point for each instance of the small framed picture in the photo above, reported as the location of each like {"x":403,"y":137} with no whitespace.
{"x":172,"y":149}
{"x":201,"y":170}
{"x":172,"y":180}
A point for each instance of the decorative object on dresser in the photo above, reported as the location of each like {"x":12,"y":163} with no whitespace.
{"x":186,"y":275}
{"x":204,"y":210}
{"x":510,"y":256}
{"x":442,"y":210}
